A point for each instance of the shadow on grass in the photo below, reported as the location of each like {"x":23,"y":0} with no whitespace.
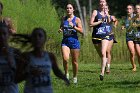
{"x":121,"y":84}
{"x":88,"y":71}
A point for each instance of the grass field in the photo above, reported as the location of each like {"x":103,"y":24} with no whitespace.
{"x":120,"y":80}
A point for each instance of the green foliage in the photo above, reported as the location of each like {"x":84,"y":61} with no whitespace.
{"x":34,"y":13}
{"x":120,"y":80}
{"x":40,"y":13}
{"x":117,"y":7}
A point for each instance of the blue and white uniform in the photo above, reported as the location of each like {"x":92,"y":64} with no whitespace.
{"x":70,"y":38}
{"x":42,"y":82}
{"x":109,"y":29}
{"x":102,"y":30}
{"x":7,"y":73}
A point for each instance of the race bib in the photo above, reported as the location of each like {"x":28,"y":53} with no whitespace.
{"x":40,"y":80}
{"x":108,"y":29}
{"x":68,"y":31}
{"x":101,"y":30}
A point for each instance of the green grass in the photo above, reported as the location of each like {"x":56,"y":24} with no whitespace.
{"x":31,"y":13}
{"x":120,"y":80}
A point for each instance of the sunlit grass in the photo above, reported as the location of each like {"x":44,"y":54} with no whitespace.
{"x":32,"y":14}
{"x":120,"y":80}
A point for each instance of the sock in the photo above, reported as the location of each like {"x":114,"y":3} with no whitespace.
{"x":108,"y":65}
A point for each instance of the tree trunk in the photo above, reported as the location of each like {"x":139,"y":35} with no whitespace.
{"x":84,"y":18}
{"x":80,"y":13}
{"x":90,"y":7}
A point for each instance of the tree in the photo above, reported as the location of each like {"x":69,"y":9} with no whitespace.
{"x":80,"y":13}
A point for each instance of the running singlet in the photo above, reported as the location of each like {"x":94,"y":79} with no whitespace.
{"x":69,"y":31}
{"x":109,"y":27}
{"x":137,"y":33}
{"x":129,"y":32}
{"x":42,"y":64}
{"x":6,"y":70}
{"x":102,"y":29}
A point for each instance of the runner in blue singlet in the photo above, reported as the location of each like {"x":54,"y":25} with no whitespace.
{"x":36,"y":65}
{"x":8,"y":62}
{"x":110,"y":25}
{"x":70,"y":44}
{"x":101,"y":36}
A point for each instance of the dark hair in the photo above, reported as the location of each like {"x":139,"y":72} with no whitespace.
{"x":138,"y":4}
{"x":105,"y":0}
{"x":3,"y":26}
{"x":39,"y":29}
{"x":25,"y":39}
{"x":1,"y":5}
{"x":131,"y":6}
{"x":73,"y":5}
{"x":107,"y":6}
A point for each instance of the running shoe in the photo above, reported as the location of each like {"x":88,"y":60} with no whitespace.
{"x":75,"y":80}
{"x":101,"y":77}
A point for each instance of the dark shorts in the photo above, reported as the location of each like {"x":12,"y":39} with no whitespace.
{"x":136,"y":42}
{"x":129,"y":39}
{"x":98,"y":40}
{"x":70,"y":42}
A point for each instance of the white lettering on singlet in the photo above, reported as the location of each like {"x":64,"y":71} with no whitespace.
{"x":101,"y":30}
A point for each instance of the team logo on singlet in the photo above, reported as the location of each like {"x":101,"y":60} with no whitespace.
{"x":68,"y":30}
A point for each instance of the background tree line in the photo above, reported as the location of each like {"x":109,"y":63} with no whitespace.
{"x":117,"y":7}
{"x":27,"y":14}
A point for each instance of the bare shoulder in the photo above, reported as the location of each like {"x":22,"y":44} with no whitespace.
{"x":94,"y":13}
{"x":78,"y":20}
{"x":7,"y":19}
{"x":112,"y":16}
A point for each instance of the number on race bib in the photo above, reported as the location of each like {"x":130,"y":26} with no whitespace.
{"x":40,"y":80}
{"x":101,"y":30}
{"x":67,"y":32}
{"x":108,"y":29}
